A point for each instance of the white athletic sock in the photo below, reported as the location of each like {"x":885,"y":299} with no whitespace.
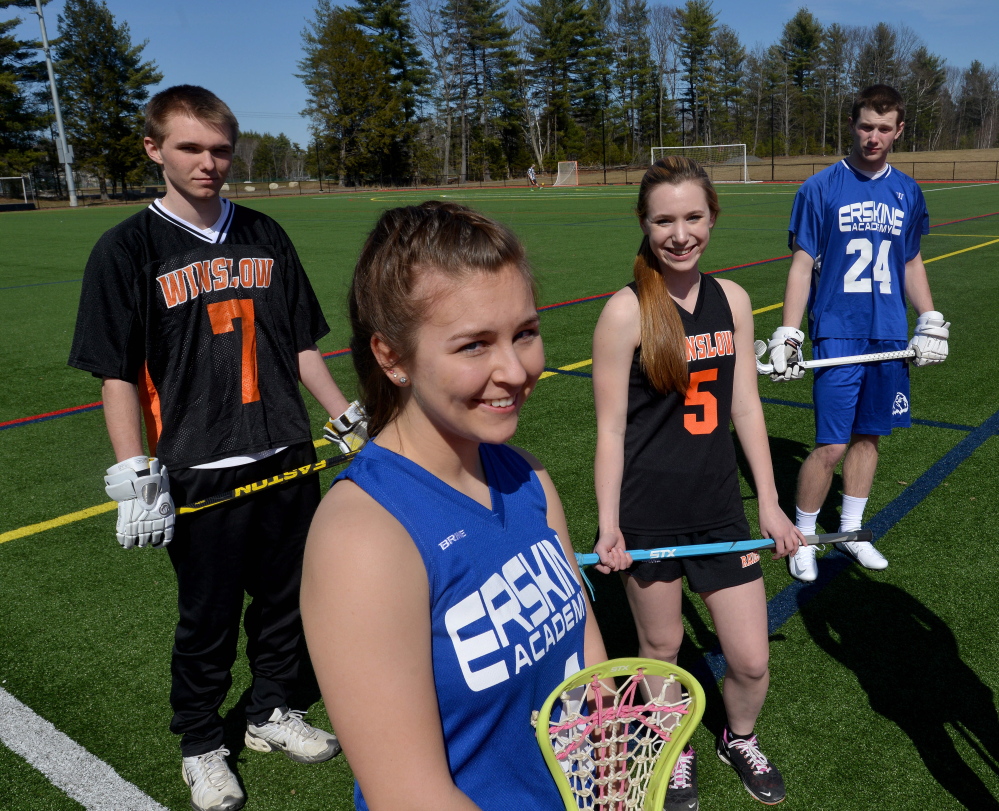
{"x":852,"y":516}
{"x":805,"y":521}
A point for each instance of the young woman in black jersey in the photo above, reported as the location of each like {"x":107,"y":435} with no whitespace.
{"x":673,"y":364}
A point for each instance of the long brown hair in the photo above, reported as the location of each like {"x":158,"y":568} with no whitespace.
{"x":407,"y":242}
{"x":664,"y":344}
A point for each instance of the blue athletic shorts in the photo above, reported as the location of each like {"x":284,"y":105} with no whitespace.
{"x":865,"y":398}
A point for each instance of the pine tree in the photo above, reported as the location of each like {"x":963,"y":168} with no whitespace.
{"x":351,"y":102}
{"x":926,"y":77}
{"x":730,"y":59}
{"x":490,"y":62}
{"x":838,"y":47}
{"x":878,"y":59}
{"x":389,"y":27}
{"x":555,"y":40}
{"x":664,"y":22}
{"x":20,"y":114}
{"x":634,"y":74}
{"x":103,"y":85}
{"x":978,"y":103}
{"x":801,"y":47}
{"x":697,"y":29}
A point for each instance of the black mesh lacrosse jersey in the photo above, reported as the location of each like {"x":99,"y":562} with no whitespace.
{"x":209,"y":328}
{"x":680,"y":472}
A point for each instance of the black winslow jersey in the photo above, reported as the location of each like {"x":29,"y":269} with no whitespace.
{"x":680,"y":472}
{"x":209,"y":330}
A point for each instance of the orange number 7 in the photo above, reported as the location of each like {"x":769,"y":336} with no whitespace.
{"x":222,"y":314}
{"x":709,"y":420}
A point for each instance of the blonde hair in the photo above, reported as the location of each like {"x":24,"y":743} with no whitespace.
{"x":405,"y":244}
{"x":663,"y":351}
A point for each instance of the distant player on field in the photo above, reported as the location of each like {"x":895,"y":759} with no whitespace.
{"x":197,"y":315}
{"x":532,"y":176}
{"x":854,"y":233}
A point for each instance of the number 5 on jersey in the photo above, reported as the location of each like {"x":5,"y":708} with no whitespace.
{"x":707,"y":420}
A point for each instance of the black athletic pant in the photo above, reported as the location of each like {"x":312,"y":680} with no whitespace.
{"x":255,"y":545}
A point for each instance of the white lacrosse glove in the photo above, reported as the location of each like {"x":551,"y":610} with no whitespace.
{"x":929,"y":339}
{"x":349,"y":431}
{"x":785,"y":354}
{"x":145,"y":509}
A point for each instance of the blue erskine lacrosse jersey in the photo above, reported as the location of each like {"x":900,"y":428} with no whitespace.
{"x":507,"y":616}
{"x":860,"y":232}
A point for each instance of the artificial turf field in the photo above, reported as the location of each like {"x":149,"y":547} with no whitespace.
{"x":883,"y":691}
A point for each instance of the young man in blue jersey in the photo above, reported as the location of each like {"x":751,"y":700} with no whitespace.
{"x":854,"y":234}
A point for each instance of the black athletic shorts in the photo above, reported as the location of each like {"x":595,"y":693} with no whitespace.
{"x":704,"y":573}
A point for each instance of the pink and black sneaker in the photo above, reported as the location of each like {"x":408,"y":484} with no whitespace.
{"x":681,"y":795}
{"x":760,"y":777}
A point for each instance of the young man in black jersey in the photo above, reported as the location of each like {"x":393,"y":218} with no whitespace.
{"x":198,"y":317}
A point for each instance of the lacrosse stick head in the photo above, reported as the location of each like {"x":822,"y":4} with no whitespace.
{"x":612,"y":733}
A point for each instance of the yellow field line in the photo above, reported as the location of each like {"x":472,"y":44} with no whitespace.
{"x":972,"y":236}
{"x":79,"y":515}
{"x":57,"y":522}
{"x":963,"y":250}
{"x":767,"y":309}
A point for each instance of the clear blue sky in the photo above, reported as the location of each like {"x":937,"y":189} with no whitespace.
{"x":247,"y":51}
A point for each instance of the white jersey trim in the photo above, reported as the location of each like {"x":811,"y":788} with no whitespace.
{"x":883,"y":172}
{"x":215,"y":235}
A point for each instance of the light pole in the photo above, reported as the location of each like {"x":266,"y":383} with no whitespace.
{"x":771,"y":136}
{"x":319,"y":164}
{"x":65,"y":154}
{"x":603,"y":137}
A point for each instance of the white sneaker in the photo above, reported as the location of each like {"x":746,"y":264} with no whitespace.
{"x":802,"y":564}
{"x":213,"y":785}
{"x":864,"y":553}
{"x":286,"y":732}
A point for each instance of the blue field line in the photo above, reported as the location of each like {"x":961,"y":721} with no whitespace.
{"x":40,"y":284}
{"x":785,"y":604}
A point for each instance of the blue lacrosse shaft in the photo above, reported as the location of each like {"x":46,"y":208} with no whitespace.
{"x":694,"y":550}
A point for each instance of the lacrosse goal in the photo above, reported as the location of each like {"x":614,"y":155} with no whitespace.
{"x":16,"y":194}
{"x":568,"y":174}
{"x":724,"y":163}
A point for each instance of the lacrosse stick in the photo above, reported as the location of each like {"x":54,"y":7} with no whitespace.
{"x":863,"y":535}
{"x":256,"y":487}
{"x":618,"y":753}
{"x":760,"y":348}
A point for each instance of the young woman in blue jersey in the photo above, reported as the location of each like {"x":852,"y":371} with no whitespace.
{"x":673,"y":364}
{"x":441,"y":599}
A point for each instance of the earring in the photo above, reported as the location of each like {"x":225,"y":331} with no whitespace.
{"x":394,"y":373}
{"x":403,"y":380}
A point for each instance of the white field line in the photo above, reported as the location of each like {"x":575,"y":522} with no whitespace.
{"x":66,"y":764}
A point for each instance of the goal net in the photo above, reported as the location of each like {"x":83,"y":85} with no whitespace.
{"x":15,"y":191}
{"x":724,"y":163}
{"x":568,"y":174}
